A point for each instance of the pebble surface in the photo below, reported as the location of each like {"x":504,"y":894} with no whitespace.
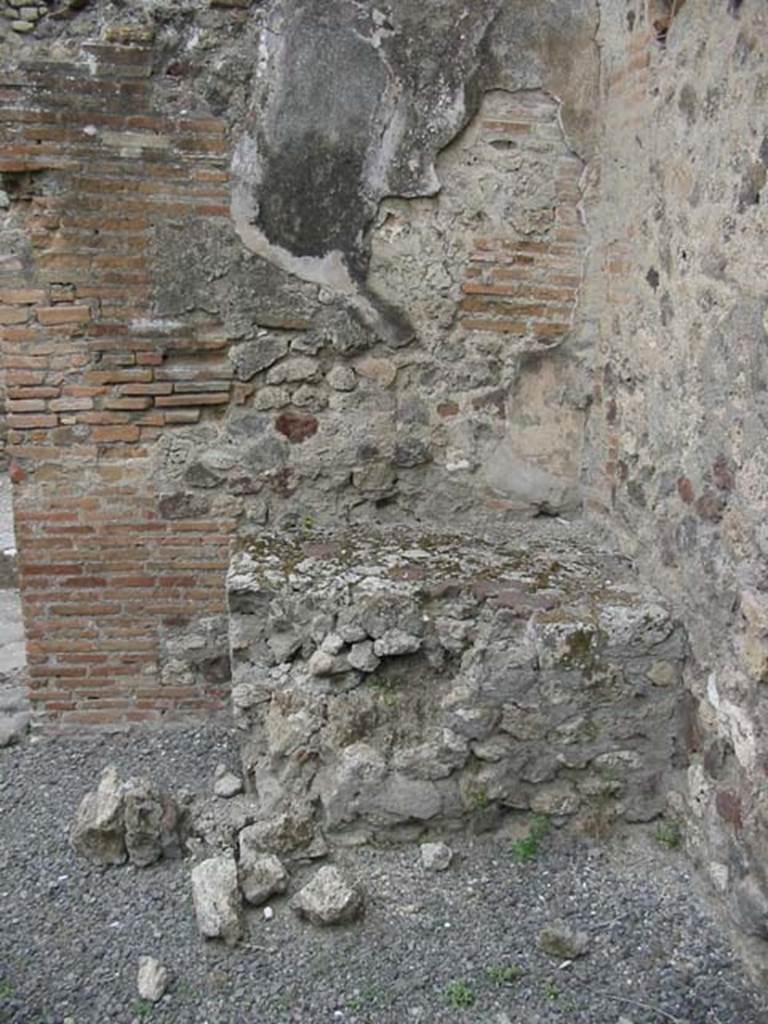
{"x":454,"y":946}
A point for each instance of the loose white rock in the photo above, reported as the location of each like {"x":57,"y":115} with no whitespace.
{"x":227,"y":785}
{"x":153,"y":979}
{"x":98,"y":829}
{"x":328,"y":898}
{"x":217,"y":898}
{"x":261,"y":876}
{"x":436,"y":856}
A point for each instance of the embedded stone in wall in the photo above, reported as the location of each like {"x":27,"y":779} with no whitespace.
{"x":401,"y":682}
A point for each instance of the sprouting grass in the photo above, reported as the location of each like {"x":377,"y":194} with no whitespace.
{"x":504,"y":974}
{"x":551,"y":991}
{"x":142,"y":1008}
{"x":526,"y":848}
{"x":459,"y":995}
{"x":669,"y":834}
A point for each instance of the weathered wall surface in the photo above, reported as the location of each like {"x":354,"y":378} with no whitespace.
{"x":218,"y":317}
{"x":677,"y":441}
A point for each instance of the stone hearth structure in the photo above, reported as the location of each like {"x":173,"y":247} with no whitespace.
{"x":415,"y":680}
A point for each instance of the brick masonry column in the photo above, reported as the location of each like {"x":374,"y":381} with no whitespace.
{"x":94,"y":377}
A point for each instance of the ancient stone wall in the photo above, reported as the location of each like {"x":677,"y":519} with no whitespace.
{"x":677,"y":434}
{"x":291,"y":268}
{"x":218,"y":319}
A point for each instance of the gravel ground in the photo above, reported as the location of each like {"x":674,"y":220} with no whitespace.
{"x":71,"y":934}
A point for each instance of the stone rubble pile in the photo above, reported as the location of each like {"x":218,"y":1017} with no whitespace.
{"x":221,"y":885}
{"x":133,"y":821}
{"x":400,"y":688}
{"x":127,"y":821}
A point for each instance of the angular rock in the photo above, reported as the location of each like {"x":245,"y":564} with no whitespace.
{"x":328,"y":898}
{"x":226,"y":783}
{"x":561,"y":941}
{"x":254,"y":356}
{"x":293,"y":370}
{"x":217,"y":899}
{"x":324,"y":664}
{"x":362,"y":657}
{"x":394,"y":642}
{"x":261,"y":875}
{"x":152,"y":979}
{"x":342,"y":378}
{"x":284,"y":645}
{"x":13,"y":727}
{"x":436,"y":856}
{"x":98,"y":830}
{"x":149,"y":818}
{"x":282,"y":834}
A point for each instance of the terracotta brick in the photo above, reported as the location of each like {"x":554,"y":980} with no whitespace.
{"x":182,"y":416}
{"x":26,"y":405}
{"x":24,"y":377}
{"x":158,"y":388}
{"x":29,"y":296}
{"x":70,"y":404}
{"x":215,"y":398}
{"x":106,"y":435}
{"x":127,"y":404}
{"x":85,"y":609}
{"x":31,"y":422}
{"x":77,"y":391}
{"x":13,"y":314}
{"x":53,"y":315}
{"x":117,"y":376}
{"x":101,"y":417}
{"x":19,"y":393}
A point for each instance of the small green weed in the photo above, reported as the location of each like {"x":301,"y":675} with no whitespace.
{"x":367,"y":996}
{"x":142,"y":1008}
{"x":386,"y":690}
{"x":478,"y":799}
{"x":6,"y":989}
{"x":459,"y":995}
{"x":540,"y":826}
{"x":668,"y":833}
{"x":551,"y":991}
{"x":527,"y":847}
{"x":504,"y":974}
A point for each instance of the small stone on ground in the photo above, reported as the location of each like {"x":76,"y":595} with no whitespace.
{"x":328,"y":898}
{"x":217,"y":898}
{"x":153,"y":979}
{"x":560,"y":940}
{"x":436,"y":856}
